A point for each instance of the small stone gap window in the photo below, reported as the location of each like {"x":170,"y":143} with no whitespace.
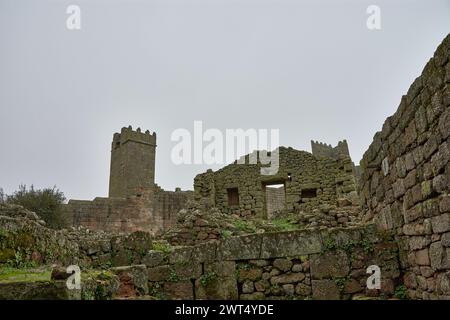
{"x":233,"y":196}
{"x":309,"y":193}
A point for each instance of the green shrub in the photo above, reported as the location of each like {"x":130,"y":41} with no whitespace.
{"x":162,"y":246}
{"x":225,"y":234}
{"x":46,"y":203}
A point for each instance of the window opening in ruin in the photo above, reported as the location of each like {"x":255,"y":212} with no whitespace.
{"x":309,"y":193}
{"x":233,"y":196}
{"x":275,"y":199}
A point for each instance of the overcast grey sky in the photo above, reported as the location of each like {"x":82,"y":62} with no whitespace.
{"x":310,"y":68}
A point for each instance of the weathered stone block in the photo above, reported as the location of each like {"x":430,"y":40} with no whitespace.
{"x":221,"y":268}
{"x":160,"y":273}
{"x":422,"y":257}
{"x":439,"y":257}
{"x":288,"y":244}
{"x":430,"y":207}
{"x":262,"y":285}
{"x":411,"y":179}
{"x":441,"y":223}
{"x":417,"y":242}
{"x":440,"y":183}
{"x":179,"y":290}
{"x":303,"y":290}
{"x":181,"y":255}
{"x":445,"y":239}
{"x":252,"y":274}
{"x":325,"y":290}
{"x":248,"y":287}
{"x":287,"y":278}
{"x":330,"y":264}
{"x":240,"y":248}
{"x":444,"y":124}
{"x":443,"y":283}
{"x":444,"y":204}
{"x":205,"y":252}
{"x":283,"y":264}
{"x":352,"y":286}
{"x":217,"y":288}
{"x":413,"y":213}
{"x":399,"y":188}
{"x":426,"y":271}
{"x":154,"y":258}
{"x":410,"y":280}
{"x":133,"y":279}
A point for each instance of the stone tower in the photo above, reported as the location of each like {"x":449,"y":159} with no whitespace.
{"x":132,"y":162}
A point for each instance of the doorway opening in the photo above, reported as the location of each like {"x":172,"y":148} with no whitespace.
{"x":275,"y":195}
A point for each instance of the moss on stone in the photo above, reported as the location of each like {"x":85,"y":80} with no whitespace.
{"x":9,"y":275}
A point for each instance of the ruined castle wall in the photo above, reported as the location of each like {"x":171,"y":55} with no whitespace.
{"x":323,"y":150}
{"x":117,"y":215}
{"x":152,"y":211}
{"x":168,"y":203}
{"x":313,"y":182}
{"x":406,"y":176}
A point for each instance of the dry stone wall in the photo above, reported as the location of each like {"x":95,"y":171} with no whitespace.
{"x":285,"y":265}
{"x":406,"y":176}
{"x":303,"y":264}
{"x":24,"y":241}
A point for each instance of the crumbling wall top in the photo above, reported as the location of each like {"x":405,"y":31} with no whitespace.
{"x":128,"y":134}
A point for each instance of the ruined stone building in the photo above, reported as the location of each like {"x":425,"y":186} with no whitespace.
{"x":304,"y":181}
{"x":402,"y":197}
{"x":135,"y":201}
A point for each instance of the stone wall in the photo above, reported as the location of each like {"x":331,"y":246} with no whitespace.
{"x":309,"y":183}
{"x":406,"y":176}
{"x":330,"y":264}
{"x":303,"y":264}
{"x":25,"y":240}
{"x":151,"y":211}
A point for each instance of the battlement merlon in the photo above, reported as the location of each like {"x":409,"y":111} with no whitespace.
{"x":323,"y":150}
{"x":128,"y":134}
